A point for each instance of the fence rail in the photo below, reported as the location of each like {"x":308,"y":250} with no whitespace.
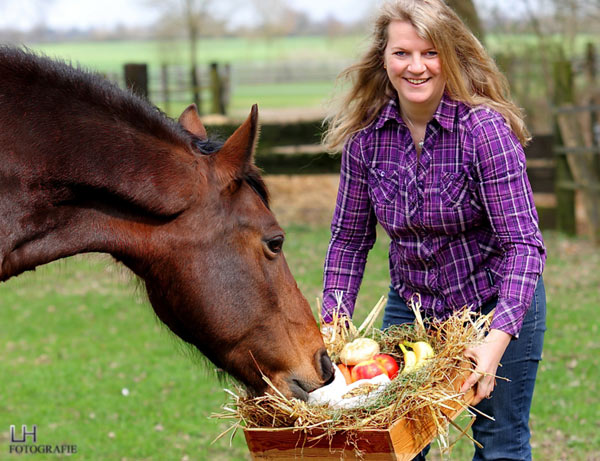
{"x":569,"y":162}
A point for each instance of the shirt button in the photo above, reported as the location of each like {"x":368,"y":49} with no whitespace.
{"x":382,"y":173}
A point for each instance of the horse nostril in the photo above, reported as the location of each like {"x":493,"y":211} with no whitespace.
{"x":327,"y":372}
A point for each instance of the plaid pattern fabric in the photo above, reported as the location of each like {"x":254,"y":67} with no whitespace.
{"x":462,"y":222}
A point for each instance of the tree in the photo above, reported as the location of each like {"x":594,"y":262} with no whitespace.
{"x":277,"y":18}
{"x":468,"y":13}
{"x":192,"y":16}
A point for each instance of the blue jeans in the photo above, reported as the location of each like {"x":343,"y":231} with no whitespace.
{"x":506,"y":438}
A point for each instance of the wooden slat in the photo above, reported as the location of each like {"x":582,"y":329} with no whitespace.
{"x":289,"y":445}
{"x":576,"y":109}
{"x":577,"y":150}
{"x":396,"y":443}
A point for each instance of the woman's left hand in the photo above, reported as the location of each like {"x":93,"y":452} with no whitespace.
{"x":486,"y":357}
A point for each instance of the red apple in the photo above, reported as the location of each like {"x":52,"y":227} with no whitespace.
{"x":367,"y":369}
{"x":388,"y":362}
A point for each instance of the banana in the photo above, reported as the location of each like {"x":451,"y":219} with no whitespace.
{"x":423,"y":350}
{"x":410,"y":360}
{"x":413,"y":360}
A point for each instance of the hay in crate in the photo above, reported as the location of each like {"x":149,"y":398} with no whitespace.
{"x":419,"y":398}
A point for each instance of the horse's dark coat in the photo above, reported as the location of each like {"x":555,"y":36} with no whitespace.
{"x":85,"y":166}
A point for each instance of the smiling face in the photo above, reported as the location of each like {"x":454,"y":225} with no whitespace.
{"x":413,"y":67}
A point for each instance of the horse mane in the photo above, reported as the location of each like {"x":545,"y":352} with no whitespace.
{"x":61,"y":81}
{"x":90,"y":88}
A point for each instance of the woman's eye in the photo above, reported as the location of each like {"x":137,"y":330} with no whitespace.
{"x":275,"y":244}
{"x":431,"y":54}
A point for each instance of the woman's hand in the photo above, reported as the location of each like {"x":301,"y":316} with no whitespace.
{"x":486,"y":357}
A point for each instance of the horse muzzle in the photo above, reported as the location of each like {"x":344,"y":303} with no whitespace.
{"x":300,"y":388}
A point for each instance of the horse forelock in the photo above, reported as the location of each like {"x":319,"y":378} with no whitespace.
{"x":206,"y":146}
{"x":254,"y":179}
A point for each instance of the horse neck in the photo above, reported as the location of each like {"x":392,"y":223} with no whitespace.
{"x":101,"y":188}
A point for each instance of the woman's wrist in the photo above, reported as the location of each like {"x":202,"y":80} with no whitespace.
{"x":499,"y":340}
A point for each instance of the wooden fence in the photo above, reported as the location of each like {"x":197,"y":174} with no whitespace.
{"x":174,"y":85}
{"x":577,"y":150}
{"x":293,"y":148}
{"x":563,"y":165}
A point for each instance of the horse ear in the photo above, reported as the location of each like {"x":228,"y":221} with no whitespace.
{"x":190,"y":120}
{"x":238,"y":150}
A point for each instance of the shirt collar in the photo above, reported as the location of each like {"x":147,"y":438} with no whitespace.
{"x":445,"y":114}
{"x":388,"y":112}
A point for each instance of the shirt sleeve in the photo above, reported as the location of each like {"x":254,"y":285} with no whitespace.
{"x":508,"y":200}
{"x":352,"y":235}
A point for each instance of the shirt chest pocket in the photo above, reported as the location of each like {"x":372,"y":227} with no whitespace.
{"x":455,"y":190}
{"x":383,"y":185}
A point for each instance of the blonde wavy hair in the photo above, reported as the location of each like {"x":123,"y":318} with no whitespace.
{"x":472,"y":76}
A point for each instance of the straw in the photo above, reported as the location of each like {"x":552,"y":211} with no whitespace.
{"x":421,"y":397}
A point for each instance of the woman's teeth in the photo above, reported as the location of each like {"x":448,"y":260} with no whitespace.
{"x":417,"y":81}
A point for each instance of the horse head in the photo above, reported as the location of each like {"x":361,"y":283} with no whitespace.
{"x":223,"y":283}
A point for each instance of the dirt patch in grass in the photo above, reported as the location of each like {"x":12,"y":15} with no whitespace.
{"x":303,"y":199}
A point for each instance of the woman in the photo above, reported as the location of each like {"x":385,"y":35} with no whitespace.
{"x":433,"y":152}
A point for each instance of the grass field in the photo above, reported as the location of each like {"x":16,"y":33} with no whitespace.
{"x":529,"y":86}
{"x":84,"y":359}
{"x":110,"y":56}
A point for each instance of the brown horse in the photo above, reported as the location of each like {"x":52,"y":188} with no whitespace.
{"x":87,"y":167}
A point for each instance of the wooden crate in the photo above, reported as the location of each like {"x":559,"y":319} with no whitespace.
{"x":395,"y":443}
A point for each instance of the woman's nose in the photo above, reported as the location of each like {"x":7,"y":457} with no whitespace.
{"x":416,"y":64}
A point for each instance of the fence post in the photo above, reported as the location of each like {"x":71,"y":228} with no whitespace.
{"x":218,"y":87}
{"x":225,"y":75}
{"x":164,"y":81}
{"x":565,"y":199}
{"x":592,"y":82}
{"x":215,"y":89}
{"x":590,"y":63}
{"x":196,"y":90}
{"x":136,"y":78}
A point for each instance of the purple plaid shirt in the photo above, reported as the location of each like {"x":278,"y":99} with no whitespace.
{"x":462,"y":222}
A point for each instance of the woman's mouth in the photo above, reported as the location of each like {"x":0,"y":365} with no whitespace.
{"x":416,"y":81}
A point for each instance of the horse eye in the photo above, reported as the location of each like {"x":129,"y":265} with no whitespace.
{"x":275,"y":244}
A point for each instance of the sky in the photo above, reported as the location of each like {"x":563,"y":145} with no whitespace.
{"x":81,"y":14}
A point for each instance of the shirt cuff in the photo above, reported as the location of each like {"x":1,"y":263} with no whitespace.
{"x":508,"y":317}
{"x":336,"y":301}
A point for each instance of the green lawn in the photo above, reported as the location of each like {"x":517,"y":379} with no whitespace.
{"x":77,"y":335}
{"x":110,"y":56}
{"x":525,"y":72}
